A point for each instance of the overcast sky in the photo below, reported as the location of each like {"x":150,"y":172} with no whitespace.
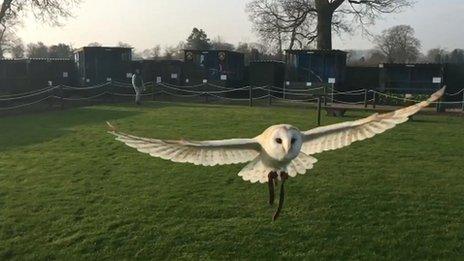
{"x":146,"y":23}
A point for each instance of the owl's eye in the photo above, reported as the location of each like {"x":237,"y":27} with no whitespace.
{"x":278,"y":140}
{"x":293,"y":140}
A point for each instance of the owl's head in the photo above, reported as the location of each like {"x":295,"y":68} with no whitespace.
{"x":282,"y":142}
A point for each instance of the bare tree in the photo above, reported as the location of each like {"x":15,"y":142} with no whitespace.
{"x":437,"y":55}
{"x":7,"y":41}
{"x":399,"y":44}
{"x":17,"y":50}
{"x":250,"y":51}
{"x":361,"y":13}
{"x":283,"y":24}
{"x":291,"y":20}
{"x":456,"y":56}
{"x":256,"y":51}
{"x":219,"y":44}
{"x":8,"y":35}
{"x":152,"y":53}
{"x":124,"y":45}
{"x":60,"y":51}
{"x":37,"y":50}
{"x":175,"y":52}
{"x":48,"y":11}
{"x":94,"y":44}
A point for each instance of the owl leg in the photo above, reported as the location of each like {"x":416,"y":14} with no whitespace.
{"x":272,"y":178}
{"x":283,"y":177}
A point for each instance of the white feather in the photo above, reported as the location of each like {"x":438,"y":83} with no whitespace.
{"x":207,"y":153}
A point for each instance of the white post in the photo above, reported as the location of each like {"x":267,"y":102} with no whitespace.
{"x":332,"y":83}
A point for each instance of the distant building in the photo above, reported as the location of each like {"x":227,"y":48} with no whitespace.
{"x":21,"y":75}
{"x":216,"y":66}
{"x":315,"y":67}
{"x":160,"y":71}
{"x":411,"y":77}
{"x":267,"y":73}
{"x":100,"y":64}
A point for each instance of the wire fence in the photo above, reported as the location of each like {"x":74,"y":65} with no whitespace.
{"x":112,"y":91}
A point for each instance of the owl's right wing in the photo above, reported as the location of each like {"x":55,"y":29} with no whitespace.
{"x":206,"y":153}
{"x":343,"y":134}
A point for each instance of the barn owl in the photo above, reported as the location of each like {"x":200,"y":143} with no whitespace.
{"x":280,"y":152}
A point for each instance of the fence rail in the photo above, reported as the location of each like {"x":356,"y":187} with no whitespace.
{"x":60,"y":95}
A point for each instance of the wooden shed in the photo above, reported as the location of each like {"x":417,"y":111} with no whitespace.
{"x":96,"y":65}
{"x":20,"y":75}
{"x":220,"y":67}
{"x":267,"y":73}
{"x":315,"y":67}
{"x":410,"y":78}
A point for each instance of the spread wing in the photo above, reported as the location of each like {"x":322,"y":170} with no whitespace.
{"x":343,"y":134}
{"x":206,"y":153}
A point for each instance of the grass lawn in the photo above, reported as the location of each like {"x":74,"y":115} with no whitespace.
{"x":69,"y":190}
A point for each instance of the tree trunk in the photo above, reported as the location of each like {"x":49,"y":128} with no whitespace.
{"x":324,"y":25}
{"x":4,"y":8}
{"x":281,"y":51}
{"x":292,"y":40}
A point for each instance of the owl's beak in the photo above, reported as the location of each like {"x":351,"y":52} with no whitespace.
{"x":287,"y":146}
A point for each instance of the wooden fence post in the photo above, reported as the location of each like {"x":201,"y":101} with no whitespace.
{"x":332,"y":93}
{"x":284,"y":89}
{"x":462,"y":100}
{"x":374,"y":99}
{"x":206,"y":97}
{"x":365,"y":98}
{"x":439,"y":104}
{"x":111,"y":92}
{"x":319,"y":111}
{"x":250,"y":93}
{"x":325,"y":96}
{"x":60,"y":88}
{"x":154,"y":91}
{"x":269,"y":100}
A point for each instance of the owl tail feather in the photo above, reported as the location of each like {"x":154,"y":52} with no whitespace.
{"x":255,"y":171}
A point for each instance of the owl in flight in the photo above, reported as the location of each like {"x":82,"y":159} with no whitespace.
{"x":280,"y":152}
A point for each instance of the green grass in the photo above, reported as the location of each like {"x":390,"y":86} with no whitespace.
{"x":68,"y":190}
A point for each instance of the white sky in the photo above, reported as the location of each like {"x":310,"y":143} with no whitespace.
{"x":146,"y":23}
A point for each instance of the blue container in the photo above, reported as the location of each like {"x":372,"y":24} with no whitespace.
{"x":411,"y":78}
{"x":220,"y":67}
{"x":315,"y":67}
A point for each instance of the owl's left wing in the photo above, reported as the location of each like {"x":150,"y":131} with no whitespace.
{"x":206,"y":153}
{"x":343,"y":134}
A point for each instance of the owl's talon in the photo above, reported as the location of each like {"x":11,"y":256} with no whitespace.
{"x":283,"y":177}
{"x":272,"y":178}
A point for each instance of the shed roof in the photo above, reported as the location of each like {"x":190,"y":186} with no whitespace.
{"x":267,"y":61}
{"x":311,"y":51}
{"x":156,"y":60}
{"x":35,"y":59}
{"x":103,"y":47}
{"x":410,"y":65}
{"x":215,"y":50}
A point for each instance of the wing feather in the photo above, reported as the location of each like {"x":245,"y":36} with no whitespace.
{"x":343,"y":134}
{"x":207,"y":153}
{"x":300,"y":164}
